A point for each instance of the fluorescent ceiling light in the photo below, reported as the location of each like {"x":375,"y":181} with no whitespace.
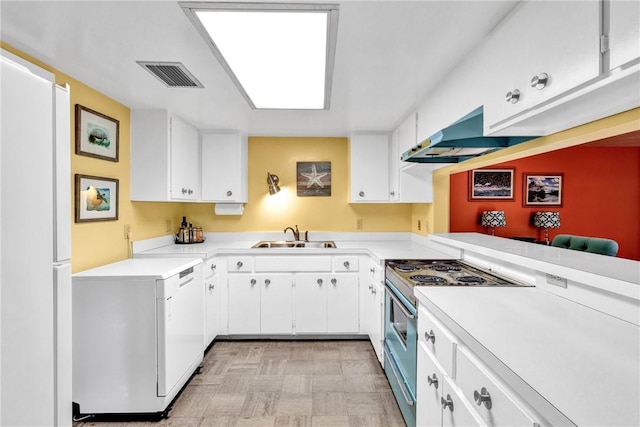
{"x":279,"y":55}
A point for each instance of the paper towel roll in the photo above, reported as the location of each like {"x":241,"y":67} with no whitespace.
{"x":229,"y":208}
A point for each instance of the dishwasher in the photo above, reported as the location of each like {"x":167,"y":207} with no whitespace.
{"x":137,"y":335}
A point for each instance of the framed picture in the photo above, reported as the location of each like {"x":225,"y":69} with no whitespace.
{"x":96,"y":198}
{"x":542,"y":189}
{"x":313,"y":179}
{"x":96,"y":134}
{"x":491,"y":184}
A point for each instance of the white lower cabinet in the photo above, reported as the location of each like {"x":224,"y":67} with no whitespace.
{"x":310,"y":303}
{"x":456,"y":388}
{"x":372,"y":310}
{"x":492,"y":399}
{"x":281,"y":295}
{"x":260,"y":304}
{"x":275,"y":304}
{"x":326,"y":303}
{"x":244,"y":305}
{"x":212,"y":298}
{"x":343,"y":304}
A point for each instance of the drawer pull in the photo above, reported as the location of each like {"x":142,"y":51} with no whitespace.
{"x":267,"y":282}
{"x":482,"y":397}
{"x":239,"y":265}
{"x":447,"y":402}
{"x":430,"y":336}
{"x":432,"y":380}
{"x":253,"y":282}
{"x":346,"y":265}
{"x":319,"y":281}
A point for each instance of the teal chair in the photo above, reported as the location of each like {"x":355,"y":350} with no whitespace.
{"x":594,"y":245}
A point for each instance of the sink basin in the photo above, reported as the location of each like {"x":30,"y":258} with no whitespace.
{"x":294,"y":244}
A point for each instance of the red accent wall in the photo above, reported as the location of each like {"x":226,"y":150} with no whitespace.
{"x":601,"y":197}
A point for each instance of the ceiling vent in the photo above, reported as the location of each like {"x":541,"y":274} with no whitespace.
{"x":172,"y":74}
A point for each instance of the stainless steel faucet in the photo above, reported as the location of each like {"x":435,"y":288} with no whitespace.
{"x":296,"y":233}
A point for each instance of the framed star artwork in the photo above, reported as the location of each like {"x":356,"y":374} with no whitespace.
{"x":313,"y":179}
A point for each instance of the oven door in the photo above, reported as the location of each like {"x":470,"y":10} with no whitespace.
{"x":401,"y":350}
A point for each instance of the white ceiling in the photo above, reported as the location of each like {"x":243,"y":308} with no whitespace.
{"x":389,"y":55}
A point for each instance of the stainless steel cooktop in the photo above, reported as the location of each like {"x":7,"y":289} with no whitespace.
{"x":405,"y":274}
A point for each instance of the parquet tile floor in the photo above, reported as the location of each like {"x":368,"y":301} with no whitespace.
{"x":283,"y":383}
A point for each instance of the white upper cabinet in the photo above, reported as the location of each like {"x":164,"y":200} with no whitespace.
{"x":185,"y":172}
{"x":164,"y":157}
{"x":541,"y":51}
{"x":369,"y":168}
{"x":224,"y":167}
{"x":624,"y":32}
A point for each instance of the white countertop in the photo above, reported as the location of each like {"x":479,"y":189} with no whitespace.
{"x":143,"y":268}
{"x":585,"y":363}
{"x":379,"y":245}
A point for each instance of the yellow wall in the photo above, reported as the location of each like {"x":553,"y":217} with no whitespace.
{"x":273,"y":213}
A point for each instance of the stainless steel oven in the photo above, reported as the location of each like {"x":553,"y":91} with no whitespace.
{"x":400,"y":330}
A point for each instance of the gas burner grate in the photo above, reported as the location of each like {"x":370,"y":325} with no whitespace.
{"x":407,"y":267}
{"x":445,"y":267}
{"x":470,"y":280}
{"x":424,"y":278}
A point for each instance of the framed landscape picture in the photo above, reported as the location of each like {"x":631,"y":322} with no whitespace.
{"x":96,"y":198}
{"x":542,"y":189}
{"x":491,"y":184}
{"x":96,"y":134}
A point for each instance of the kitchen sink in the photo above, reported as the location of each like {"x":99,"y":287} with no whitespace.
{"x":294,"y":244}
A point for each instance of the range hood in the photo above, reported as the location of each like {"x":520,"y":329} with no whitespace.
{"x":462,"y":140}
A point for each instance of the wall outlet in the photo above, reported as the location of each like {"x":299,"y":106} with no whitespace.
{"x":127,"y":230}
{"x":359,"y":224}
{"x":167,"y":225}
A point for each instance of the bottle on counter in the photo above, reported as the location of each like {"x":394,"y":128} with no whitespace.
{"x":183,"y":233}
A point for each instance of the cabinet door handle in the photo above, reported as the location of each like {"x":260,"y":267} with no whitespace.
{"x":334,"y":281}
{"x":346,"y":265}
{"x":361,"y":194}
{"x":372,"y":270}
{"x":211,"y":286}
{"x":239,"y":265}
{"x":319,"y":282}
{"x":432,"y":380}
{"x":447,"y":403}
{"x":229,"y":193}
{"x":482,"y":397}
{"x":540,"y":81}
{"x":267,"y":282}
{"x":393,"y":193}
{"x":430,"y":336}
{"x":513,"y":96}
{"x":213,"y":267}
{"x":253,"y":282}
{"x":373,"y":291}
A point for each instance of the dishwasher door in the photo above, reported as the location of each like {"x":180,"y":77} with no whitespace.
{"x":180,"y":326}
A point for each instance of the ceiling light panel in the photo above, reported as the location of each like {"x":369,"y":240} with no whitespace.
{"x":280,"y":56}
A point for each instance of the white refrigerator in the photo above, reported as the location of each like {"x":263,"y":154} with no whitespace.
{"x":35,"y":249}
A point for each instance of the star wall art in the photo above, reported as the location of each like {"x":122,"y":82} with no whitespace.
{"x":313,"y":179}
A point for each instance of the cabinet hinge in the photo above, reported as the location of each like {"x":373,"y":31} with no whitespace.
{"x":604,"y":43}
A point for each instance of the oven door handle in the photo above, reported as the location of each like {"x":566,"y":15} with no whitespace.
{"x":400,"y":303}
{"x":401,"y":382}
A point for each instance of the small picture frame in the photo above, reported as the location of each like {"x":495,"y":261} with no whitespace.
{"x":542,"y":189}
{"x":491,"y":184}
{"x":96,"y":198}
{"x":313,"y":179}
{"x":97,"y":135}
